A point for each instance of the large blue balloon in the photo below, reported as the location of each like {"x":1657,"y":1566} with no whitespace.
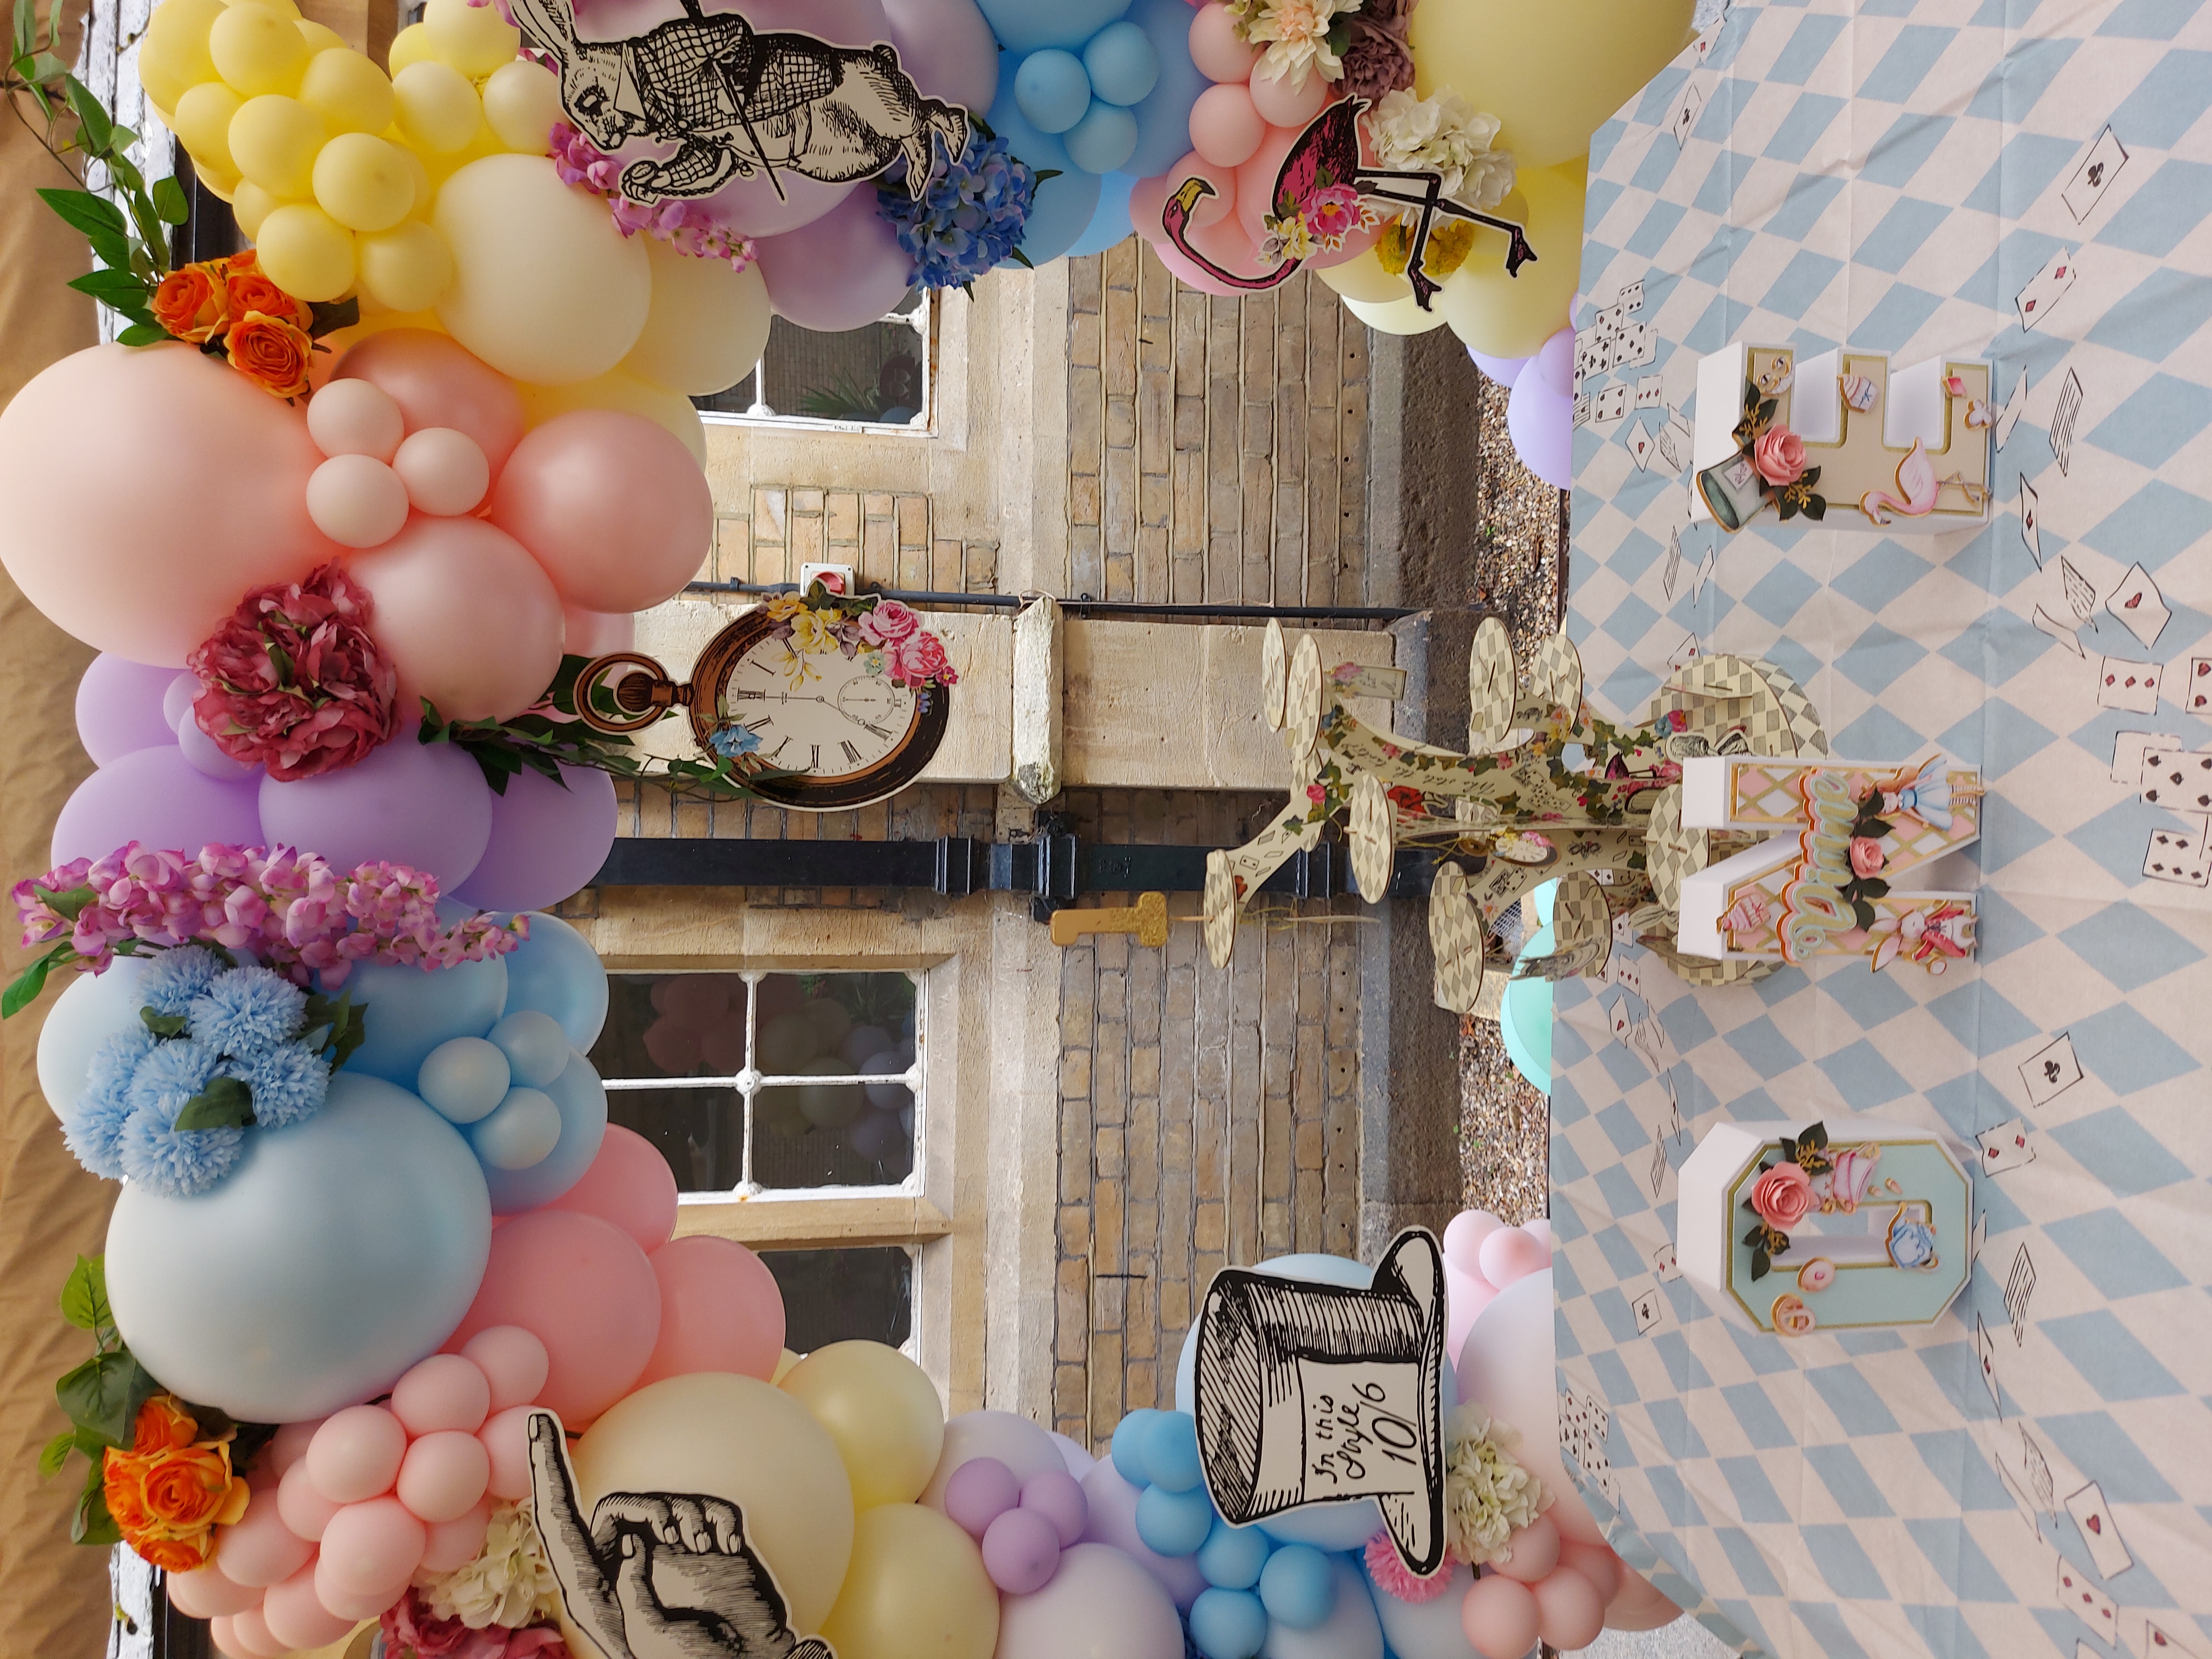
{"x":1063,"y":206}
{"x":555,"y":971}
{"x":1163,"y":116}
{"x":409,"y":1011}
{"x":1110,"y":223}
{"x":1025,"y":24}
{"x":1351,"y":1631}
{"x":583,"y":1102}
{"x":341,"y":1251}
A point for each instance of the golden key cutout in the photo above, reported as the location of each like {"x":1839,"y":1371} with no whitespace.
{"x":1148,"y":920}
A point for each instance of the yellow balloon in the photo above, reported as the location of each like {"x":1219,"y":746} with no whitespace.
{"x":411,"y":45}
{"x":521,"y":102}
{"x":442,"y":168}
{"x":319,"y":37}
{"x":364,"y":183}
{"x":1502,"y":316}
{"x":664,"y":407}
{"x":347,"y":92}
{"x":182,"y":24}
{"x":882,"y":1410}
{"x":737,"y":1438}
{"x":203,"y":121}
{"x":406,"y":268}
{"x":258,"y":49}
{"x":174,"y":56}
{"x":916,"y":1586}
{"x":707,"y":324}
{"x":1395,"y":316}
{"x":274,"y":140}
{"x":438,"y":109}
{"x":285,"y":6}
{"x":1363,"y":278}
{"x":474,"y":39}
{"x":1552,"y":74}
{"x":251,"y":205}
{"x":784,"y":1362}
{"x":307,"y":252}
{"x":545,"y":287}
{"x":425,"y":192}
{"x":223,"y":186}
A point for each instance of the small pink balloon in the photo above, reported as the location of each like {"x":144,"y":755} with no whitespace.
{"x":980,"y":1490}
{"x":1021,"y":1551}
{"x":297,"y":1618}
{"x":841,"y":271}
{"x":1256,"y":180}
{"x":1281,"y":104}
{"x":205,"y":1592}
{"x":597,"y":633}
{"x":1499,"y":1617}
{"x":1216,"y":48}
{"x":630,"y":1184}
{"x":1057,"y":1496}
{"x":251,"y":1637}
{"x":720,"y":1310}
{"x":1569,"y":1611}
{"x":355,"y":417}
{"x":445,"y":1391}
{"x":1225,"y":126}
{"x":1511,"y":1253}
{"x":443,"y":471}
{"x":1464,"y":1236}
{"x":436,"y":585}
{"x":1540,"y":1230}
{"x":355,"y":1454}
{"x":306,"y":1510}
{"x":371,"y":1544}
{"x":1210,"y":209}
{"x":451,"y":1544}
{"x":674,"y":1047}
{"x":260,"y":1550}
{"x":444,"y":1475}
{"x":1535,"y":1552}
{"x":436,"y":382}
{"x":1595,"y":1562}
{"x":353,"y":1604}
{"x":507,"y":1443}
{"x":513,"y":1360}
{"x":225,"y":1639}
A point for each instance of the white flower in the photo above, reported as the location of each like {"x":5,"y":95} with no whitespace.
{"x":1296,"y":34}
{"x":1442,"y":134}
{"x":1488,"y":1496}
{"x":509,"y":1582}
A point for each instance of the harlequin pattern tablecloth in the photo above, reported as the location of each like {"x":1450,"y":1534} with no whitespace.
{"x":2033,"y":1475}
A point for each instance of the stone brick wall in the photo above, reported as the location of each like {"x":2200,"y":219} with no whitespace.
{"x":887,"y":536}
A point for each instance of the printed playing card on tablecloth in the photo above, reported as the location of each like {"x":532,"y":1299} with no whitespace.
{"x":2179,"y":855}
{"x":2138,"y":603}
{"x":2046,"y":290}
{"x":2088,"y":1603}
{"x":2178,"y":782}
{"x":2099,"y":1531}
{"x":2129,"y":685}
{"x":2006,"y":1147}
{"x":2051,"y":1071}
{"x":2129,"y":749}
{"x":2090,"y":180}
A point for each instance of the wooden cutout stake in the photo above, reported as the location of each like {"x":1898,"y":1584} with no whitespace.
{"x":1148,"y":920}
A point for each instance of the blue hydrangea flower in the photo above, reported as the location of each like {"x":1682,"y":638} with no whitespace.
{"x":969,"y":220}
{"x":289,"y":1082}
{"x":178,"y":1162}
{"x":92,"y":1127}
{"x":245,"y":1011}
{"x":174,"y":978}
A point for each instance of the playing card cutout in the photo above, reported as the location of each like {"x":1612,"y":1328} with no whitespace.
{"x":2006,"y":1147}
{"x":2031,"y":534}
{"x":2068,"y":637}
{"x":2087,"y":1602}
{"x":1685,"y":652}
{"x":1610,"y":406}
{"x":2129,"y":685}
{"x":2016,"y":406}
{"x":2177,"y":856}
{"x":2045,"y":288}
{"x":2139,"y":605}
{"x":2094,"y":176}
{"x":1673,"y":567}
{"x":2107,"y":1553}
{"x":1582,"y":409}
{"x":2063,"y":418}
{"x":2178,"y":782}
{"x":2081,"y":597}
{"x":2129,"y":749}
{"x":1978,"y":1237}
{"x":1631,"y":297}
{"x":2020,"y":1287}
{"x":1663,"y":1263}
{"x":1651,"y":391}
{"x":2051,"y":1071}
{"x":2156,"y":1641}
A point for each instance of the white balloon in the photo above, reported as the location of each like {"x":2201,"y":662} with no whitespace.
{"x":1509,"y":1365}
{"x":356,"y":501}
{"x":355,"y":417}
{"x":94,"y":1008}
{"x":445,"y":470}
{"x":1351,"y":1631}
{"x":1429,"y":1629}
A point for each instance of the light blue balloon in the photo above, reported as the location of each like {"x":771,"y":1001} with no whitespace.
{"x":583,"y":1102}
{"x":1051,"y":89}
{"x":340,"y":1251}
{"x":557,"y":972}
{"x":1228,"y":1624}
{"x":1174,"y":1522}
{"x":1231,"y":1557}
{"x":94,"y":1008}
{"x":522,"y":1131}
{"x":1163,"y":116}
{"x":1431,"y":1629}
{"x":1026,"y":25}
{"x":1111,"y":223}
{"x":1123,"y":63}
{"x":1524,"y":1018}
{"x":1104,"y":138}
{"x":464,"y":1079}
{"x":409,"y":1011}
{"x":1130,"y":1437}
{"x":1351,"y":1631}
{"x":1171,"y":1452}
{"x":534,"y":1044}
{"x":1298,"y":1587}
{"x":1061,"y":206}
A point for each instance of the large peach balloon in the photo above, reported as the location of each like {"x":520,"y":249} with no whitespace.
{"x":147,"y":490}
{"x":1506,"y":1367}
{"x":437,"y":383}
{"x":467,"y":616}
{"x":613,"y":507}
{"x":720,"y":1310}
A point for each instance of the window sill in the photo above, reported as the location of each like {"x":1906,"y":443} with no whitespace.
{"x":798,"y":1223}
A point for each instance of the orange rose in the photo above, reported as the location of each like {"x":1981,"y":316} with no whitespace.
{"x":192,"y":304}
{"x":270,"y":352}
{"x":188,"y":1490}
{"x":250,"y":289}
{"x":163,"y":1424}
{"x":123,"y":1484}
{"x":175,"y":1554}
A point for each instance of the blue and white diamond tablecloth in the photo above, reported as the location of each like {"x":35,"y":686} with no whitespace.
{"x":1889,"y":177}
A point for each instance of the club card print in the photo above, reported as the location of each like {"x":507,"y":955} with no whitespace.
{"x":2044,"y":289}
{"x":2093,"y":176}
{"x":2051,"y":1071}
{"x":2107,"y":1553}
{"x":2006,"y":1147}
{"x":2129,"y":749}
{"x":1646,"y":1303}
{"x":2063,"y":419}
{"x":2139,"y":605}
{"x":2178,"y":782}
{"x":2177,"y":856}
{"x":2014,"y":407}
{"x":2066,"y":634}
{"x":2020,"y":1287}
{"x":1687,"y":111}
{"x":2132,"y":686}
{"x":2031,"y":535}
{"x":2088,"y":1603}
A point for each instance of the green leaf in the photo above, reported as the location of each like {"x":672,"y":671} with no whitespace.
{"x":1864,"y":913}
{"x":336,"y":1027}
{"x":143,"y":334}
{"x":56,"y":1454}
{"x":92,"y":1524}
{"x":1818,"y":1135}
{"x":171,"y":203}
{"x":1873,"y":827}
{"x":84,"y":1295}
{"x":28,"y":984}
{"x":332,"y":315}
{"x":162,"y":1026}
{"x":1761,"y":1264}
{"x":1757,"y":1232}
{"x":97,"y":124}
{"x":103,"y":1396}
{"x":69,"y":904}
{"x":110,"y":283}
{"x":226,"y":1103}
{"x":1874,"y":887}
{"x":82,"y":210}
{"x":46,"y":68}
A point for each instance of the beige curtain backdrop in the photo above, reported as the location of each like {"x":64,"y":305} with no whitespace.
{"x":53,"y":1595}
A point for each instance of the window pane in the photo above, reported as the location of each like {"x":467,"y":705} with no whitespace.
{"x":841,"y":1296}
{"x":701,"y":1132}
{"x":835,"y":1133}
{"x":672,"y":1025}
{"x":870,"y":373}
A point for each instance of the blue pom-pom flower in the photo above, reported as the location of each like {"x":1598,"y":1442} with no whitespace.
{"x":93,"y":1125}
{"x":154,"y":1150}
{"x":289,"y":1084}
{"x":174,"y":978}
{"x":246,"y":1011}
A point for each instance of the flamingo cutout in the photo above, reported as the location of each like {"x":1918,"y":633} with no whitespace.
{"x":1915,"y":477}
{"x":1328,"y":152}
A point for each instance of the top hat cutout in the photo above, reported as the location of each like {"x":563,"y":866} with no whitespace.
{"x":1324,"y":1393}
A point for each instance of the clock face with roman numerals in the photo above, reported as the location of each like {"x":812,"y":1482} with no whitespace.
{"x":842,"y":731}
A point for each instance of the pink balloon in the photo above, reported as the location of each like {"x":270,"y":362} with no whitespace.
{"x":1540,"y":1230}
{"x":306,"y":1510}
{"x":1281,"y":104}
{"x":350,"y":1603}
{"x":980,"y":1490}
{"x":723,"y":1048}
{"x":1595,"y":1562}
{"x":1541,"y":424}
{"x":1465,"y":1297}
{"x":250,"y":1635}
{"x":1210,"y":209}
{"x":1215,"y":48}
{"x":1227,"y":247}
{"x":1147,"y":196}
{"x":1464,"y":1236}
{"x":451,"y":1544}
{"x":425,"y":806}
{"x":436,"y":585}
{"x":225,"y":1639}
{"x":1256,"y":180}
{"x":596,"y":633}
{"x":436,"y":382}
{"x":369,"y":1544}
{"x":156,"y":797}
{"x":1638,"y":1604}
{"x":611,"y":504}
{"x":1510,"y":1254}
{"x":513,"y":1360}
{"x":720,"y":1310}
{"x":548,"y":840}
{"x":444,"y":470}
{"x":698,"y":1001}
{"x":582,"y":1287}
{"x":507,"y":1441}
{"x":1021,"y":1551}
{"x":206,"y":1593}
{"x":630,"y":1184}
{"x":355,"y":1454}
{"x":444,"y":1475}
{"x":359,"y":418}
{"x":297,"y":1618}
{"x":948,"y":48}
{"x":673,"y":1048}
{"x":119,"y":707}
{"x":841,"y":271}
{"x":445,"y":1391}
{"x":1568,"y":1612}
{"x":260,"y":1550}
{"x":148,"y":489}
{"x":1058,"y":1496}
{"x":1499,"y":1617}
{"x":1225,"y":126}
{"x":1535,"y":1552}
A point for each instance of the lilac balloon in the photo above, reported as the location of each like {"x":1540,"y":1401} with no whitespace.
{"x":947,"y":46}
{"x":1099,"y":1601}
{"x":842,"y":271}
{"x":547,"y":842}
{"x":177,"y":700}
{"x":425,"y":806}
{"x":980,"y":1492}
{"x":1058,"y":1497}
{"x":1078,"y":1460}
{"x":202,"y":754}
{"x":1503,"y":370}
{"x":1114,"y":1521}
{"x":119,"y":707}
{"x":1555,"y":361}
{"x":1541,"y":424}
{"x":1020,"y":1551}
{"x":154,"y":797}
{"x":875,"y":1134}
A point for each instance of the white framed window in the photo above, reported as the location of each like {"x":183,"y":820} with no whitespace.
{"x":879,"y":379}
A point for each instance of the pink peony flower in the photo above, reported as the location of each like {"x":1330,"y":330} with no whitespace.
{"x":1867,"y":856}
{"x":1780,"y":455}
{"x":1333,"y":214}
{"x":919,"y":660}
{"x":1782,"y":1196}
{"x":890,"y":622}
{"x":412,"y":1632}
{"x":1391,"y":1577}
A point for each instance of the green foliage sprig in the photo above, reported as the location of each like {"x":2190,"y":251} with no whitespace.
{"x":101,"y":1398}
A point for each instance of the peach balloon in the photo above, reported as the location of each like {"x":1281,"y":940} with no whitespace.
{"x":1595,"y":1562}
{"x":437,"y":382}
{"x":1638,"y":1604}
{"x":205,"y":1592}
{"x":297,"y":1618}
{"x":355,"y":1454}
{"x":468,"y":618}
{"x":630,"y":1184}
{"x":358,"y":501}
{"x":289,"y":1445}
{"x":1256,"y":180}
{"x":1535,"y":1552}
{"x":1510,"y":1254}
{"x":1569,"y":1613}
{"x":358,"y":418}
{"x":445,"y":1391}
{"x":720,"y":1310}
{"x":1499,"y":1617}
{"x":1216,"y":48}
{"x":369,"y":1544}
{"x":596,"y":633}
{"x":611,"y":504}
{"x":148,"y":489}
{"x":1225,"y":126}
{"x":451,"y":1544}
{"x":512,"y":1361}
{"x":507,"y":1443}
{"x":249,"y":1636}
{"x":260,"y":1550}
{"x":306,"y":1510}
{"x":348,"y":1603}
{"x":444,"y":470}
{"x":1281,"y":104}
{"x":1210,"y":209}
{"x":444,"y":1476}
